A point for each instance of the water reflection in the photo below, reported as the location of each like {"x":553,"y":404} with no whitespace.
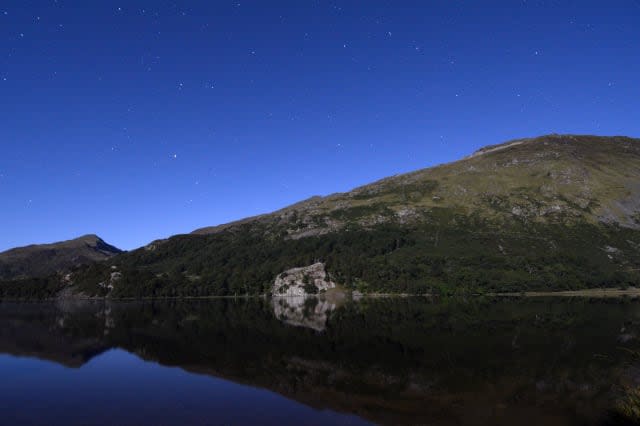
{"x":300,"y":311}
{"x":391,"y":361}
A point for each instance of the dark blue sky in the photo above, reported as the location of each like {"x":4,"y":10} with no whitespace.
{"x":137,"y":120}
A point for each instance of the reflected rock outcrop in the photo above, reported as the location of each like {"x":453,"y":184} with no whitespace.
{"x":301,"y":311}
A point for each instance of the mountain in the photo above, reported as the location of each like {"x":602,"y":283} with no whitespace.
{"x":555,"y":212}
{"x":46,"y":259}
{"x":550,"y":179}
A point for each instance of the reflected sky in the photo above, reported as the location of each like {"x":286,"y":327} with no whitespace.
{"x":117,"y":387}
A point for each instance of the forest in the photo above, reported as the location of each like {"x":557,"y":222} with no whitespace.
{"x":468,"y":256}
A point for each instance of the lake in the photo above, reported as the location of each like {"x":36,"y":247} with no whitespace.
{"x":487,"y":361}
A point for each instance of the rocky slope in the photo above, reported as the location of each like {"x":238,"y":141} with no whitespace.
{"x":549,"y":179}
{"x":45,"y":259}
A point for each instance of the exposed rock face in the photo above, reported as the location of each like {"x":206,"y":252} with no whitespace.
{"x":302,"y":281}
{"x":300,"y":311}
{"x":113,"y":278}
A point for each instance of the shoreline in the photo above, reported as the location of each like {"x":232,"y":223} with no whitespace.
{"x":592,"y":292}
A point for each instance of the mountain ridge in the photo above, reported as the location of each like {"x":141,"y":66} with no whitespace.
{"x":477,"y":156}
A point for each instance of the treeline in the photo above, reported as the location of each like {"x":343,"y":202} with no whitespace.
{"x":31,"y":288}
{"x":460,"y":255}
{"x":467,"y":256}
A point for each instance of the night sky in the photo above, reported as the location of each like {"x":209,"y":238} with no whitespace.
{"x":136,"y":120}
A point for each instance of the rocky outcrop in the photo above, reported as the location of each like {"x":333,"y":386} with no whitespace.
{"x":303,"y":281}
{"x":114,"y":277}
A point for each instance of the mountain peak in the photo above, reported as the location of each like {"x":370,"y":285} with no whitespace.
{"x":43,"y":259}
{"x":552,"y":138}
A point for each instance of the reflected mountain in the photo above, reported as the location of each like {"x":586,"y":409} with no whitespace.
{"x":45,"y":331}
{"x":390,"y":361}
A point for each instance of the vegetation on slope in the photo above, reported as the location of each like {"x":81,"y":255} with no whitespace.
{"x":466,"y":256}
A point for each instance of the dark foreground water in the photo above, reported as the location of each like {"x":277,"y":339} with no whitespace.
{"x":296,"y":361}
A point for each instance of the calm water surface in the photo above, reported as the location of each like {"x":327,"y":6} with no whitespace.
{"x":297,"y":361}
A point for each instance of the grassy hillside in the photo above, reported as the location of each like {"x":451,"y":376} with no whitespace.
{"x":549,"y":213}
{"x":551,"y":179}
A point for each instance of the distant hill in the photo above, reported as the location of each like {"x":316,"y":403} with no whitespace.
{"x":44,"y":259}
{"x":555,"y":212}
